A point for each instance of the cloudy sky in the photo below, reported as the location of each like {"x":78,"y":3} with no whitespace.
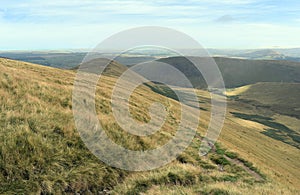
{"x":65,"y":24}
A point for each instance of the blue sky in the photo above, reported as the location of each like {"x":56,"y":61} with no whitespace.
{"x":60,"y":24}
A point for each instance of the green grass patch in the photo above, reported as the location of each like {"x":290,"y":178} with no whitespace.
{"x":231,"y":155}
{"x":219,"y":160}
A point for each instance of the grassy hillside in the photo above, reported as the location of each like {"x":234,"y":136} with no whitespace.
{"x":41,"y":151}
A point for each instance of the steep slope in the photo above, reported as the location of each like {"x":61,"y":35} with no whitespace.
{"x":41,"y":151}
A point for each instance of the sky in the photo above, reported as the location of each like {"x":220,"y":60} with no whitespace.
{"x":223,"y":24}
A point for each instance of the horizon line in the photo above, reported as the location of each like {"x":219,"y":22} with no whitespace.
{"x":88,"y":49}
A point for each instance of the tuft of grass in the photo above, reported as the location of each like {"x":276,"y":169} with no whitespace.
{"x":220,"y":160}
{"x":217,"y":191}
{"x":219,"y":150}
{"x":231,"y":155}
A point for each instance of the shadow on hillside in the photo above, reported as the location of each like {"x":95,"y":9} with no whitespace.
{"x":276,"y":131}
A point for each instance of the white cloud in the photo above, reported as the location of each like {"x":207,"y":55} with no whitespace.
{"x":92,"y":9}
{"x":78,"y":23}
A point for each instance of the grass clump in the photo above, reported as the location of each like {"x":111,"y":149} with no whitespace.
{"x":231,"y":155}
{"x":219,"y":150}
{"x":217,"y":191}
{"x":185,"y":159}
{"x":229,"y":178}
{"x":220,"y":160}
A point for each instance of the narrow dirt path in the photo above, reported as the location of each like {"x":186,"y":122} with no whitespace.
{"x":241,"y":164}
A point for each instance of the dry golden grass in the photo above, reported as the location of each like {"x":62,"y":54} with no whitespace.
{"x":41,"y":151}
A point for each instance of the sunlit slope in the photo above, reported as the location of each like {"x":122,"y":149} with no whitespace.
{"x":41,"y":151}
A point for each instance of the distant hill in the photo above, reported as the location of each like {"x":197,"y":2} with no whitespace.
{"x":112,"y":68}
{"x":263,"y":54}
{"x":259,"y":54}
{"x":131,"y":60}
{"x":292,"y":52}
{"x":239,"y":72}
{"x":64,"y":60}
{"x":236,"y":72}
{"x":283,"y":98}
